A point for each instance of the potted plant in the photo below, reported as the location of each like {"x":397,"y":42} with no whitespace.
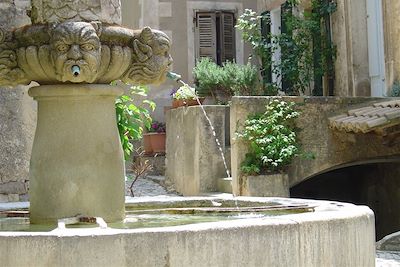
{"x":222,"y":82}
{"x":272,"y":144}
{"x":185,"y":96}
{"x":154,"y":139}
{"x":132,"y":118}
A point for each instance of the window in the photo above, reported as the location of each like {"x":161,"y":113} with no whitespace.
{"x":215,"y":35}
{"x":279,"y":68}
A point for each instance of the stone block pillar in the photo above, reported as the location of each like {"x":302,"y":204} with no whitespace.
{"x":77,"y":163}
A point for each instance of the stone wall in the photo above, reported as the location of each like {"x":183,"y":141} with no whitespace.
{"x":14,"y":13}
{"x":17,"y":119}
{"x":331,"y":149}
{"x":193,"y":161}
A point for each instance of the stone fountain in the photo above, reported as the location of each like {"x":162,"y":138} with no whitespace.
{"x":74,"y":50}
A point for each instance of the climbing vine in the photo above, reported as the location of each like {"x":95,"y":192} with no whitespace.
{"x":306,"y":50}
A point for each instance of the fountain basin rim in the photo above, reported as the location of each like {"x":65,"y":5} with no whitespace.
{"x":324,"y":211}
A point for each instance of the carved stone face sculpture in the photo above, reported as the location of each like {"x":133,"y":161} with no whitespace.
{"x":76,"y":51}
{"x":151,"y":57}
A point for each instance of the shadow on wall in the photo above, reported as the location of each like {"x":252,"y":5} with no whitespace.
{"x":375,"y":185}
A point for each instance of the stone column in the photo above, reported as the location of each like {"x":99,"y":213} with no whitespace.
{"x":17,"y":119}
{"x":77,"y":160}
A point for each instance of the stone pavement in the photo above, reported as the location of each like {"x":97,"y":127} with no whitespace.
{"x":149,"y":186}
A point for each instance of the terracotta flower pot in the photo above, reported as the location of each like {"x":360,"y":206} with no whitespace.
{"x":176,"y":103}
{"x":158,"y":142}
{"x":147,"y":144}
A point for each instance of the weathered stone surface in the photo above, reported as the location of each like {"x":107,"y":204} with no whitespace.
{"x":3,"y":198}
{"x":194,"y":162}
{"x":14,"y":13}
{"x":13,"y":188}
{"x":13,"y":197}
{"x":390,"y":242}
{"x":17,"y":109}
{"x":17,"y":124}
{"x":83,"y":52}
{"x":24,"y":197}
{"x":77,"y":162}
{"x":331,"y":236}
{"x":272,"y":185}
{"x":55,"y":11}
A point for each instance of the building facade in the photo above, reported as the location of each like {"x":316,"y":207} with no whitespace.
{"x":196,"y":28}
{"x":365,"y":33}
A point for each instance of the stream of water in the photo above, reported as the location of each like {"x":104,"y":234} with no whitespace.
{"x":179,"y":80}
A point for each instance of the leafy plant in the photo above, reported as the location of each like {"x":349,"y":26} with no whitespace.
{"x":243,"y":78}
{"x":271,"y":138}
{"x":226,"y":81}
{"x":307,"y":52}
{"x":132,"y":118}
{"x":157,"y":127}
{"x":184,"y":92}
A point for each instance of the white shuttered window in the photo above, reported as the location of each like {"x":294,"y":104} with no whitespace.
{"x":215,"y":36}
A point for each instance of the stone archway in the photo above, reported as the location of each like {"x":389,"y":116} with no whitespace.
{"x":375,"y":184}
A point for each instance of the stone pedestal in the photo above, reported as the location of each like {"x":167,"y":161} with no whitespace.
{"x":271,"y":185}
{"x":77,"y":165}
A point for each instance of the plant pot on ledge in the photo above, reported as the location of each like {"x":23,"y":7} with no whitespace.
{"x":154,"y":143}
{"x":157,"y":141}
{"x":176,"y":103}
{"x":148,"y":150}
{"x":268,"y":185}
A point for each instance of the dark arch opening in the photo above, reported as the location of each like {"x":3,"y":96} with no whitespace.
{"x":376,"y":185}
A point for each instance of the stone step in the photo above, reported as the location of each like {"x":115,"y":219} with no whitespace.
{"x":224,"y":185}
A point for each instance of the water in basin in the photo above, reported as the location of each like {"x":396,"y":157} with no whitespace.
{"x":147,"y":218}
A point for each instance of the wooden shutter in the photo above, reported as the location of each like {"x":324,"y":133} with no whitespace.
{"x":227,"y":32}
{"x":206,"y":35}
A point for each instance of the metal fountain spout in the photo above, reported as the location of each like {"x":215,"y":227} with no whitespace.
{"x":174,"y":76}
{"x":76,"y":70}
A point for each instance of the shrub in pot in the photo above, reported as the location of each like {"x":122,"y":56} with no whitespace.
{"x":223,"y":82}
{"x":272,"y":143}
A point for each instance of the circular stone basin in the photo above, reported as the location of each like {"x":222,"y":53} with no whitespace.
{"x":207,"y":231}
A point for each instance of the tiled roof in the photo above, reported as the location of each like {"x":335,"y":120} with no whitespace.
{"x":367,"y":119}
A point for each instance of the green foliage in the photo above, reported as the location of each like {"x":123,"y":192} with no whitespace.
{"x":157,"y":127}
{"x":184,"y":92}
{"x":132,"y":118}
{"x":228,"y":80}
{"x":243,"y":78}
{"x":395,"y":92}
{"x":271,"y":138}
{"x":306,"y":49}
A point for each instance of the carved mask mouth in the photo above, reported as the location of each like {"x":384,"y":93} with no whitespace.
{"x":77,"y":72}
